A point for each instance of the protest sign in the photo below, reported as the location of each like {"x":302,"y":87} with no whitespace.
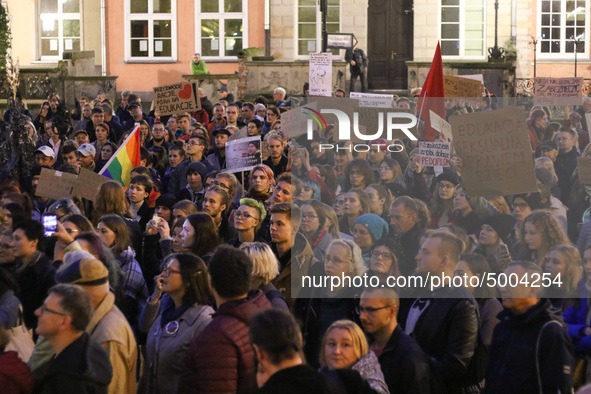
{"x":243,"y":154}
{"x":558,"y":91}
{"x":321,"y":74}
{"x":176,"y":98}
{"x":294,"y":122}
{"x":373,"y":100}
{"x":462,"y":87}
{"x":55,"y":184}
{"x":496,"y":152}
{"x":242,"y":133}
{"x":88,"y":184}
{"x":432,"y":154}
{"x":441,"y":125}
{"x":476,"y":77}
{"x":584,"y":170}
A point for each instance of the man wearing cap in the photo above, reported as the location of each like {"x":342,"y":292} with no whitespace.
{"x":549,"y":149}
{"x":80,"y":365}
{"x":219,"y":120}
{"x":85,"y":154}
{"x":135,"y":110}
{"x":195,"y":175}
{"x":496,"y":229}
{"x":218,"y":157}
{"x":44,"y":155}
{"x":196,"y":145}
{"x":225,"y":95}
{"x":108,"y":326}
{"x":545,"y":183}
{"x":81,"y":137}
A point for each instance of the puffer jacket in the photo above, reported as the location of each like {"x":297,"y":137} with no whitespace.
{"x":370,"y":370}
{"x":221,"y":359}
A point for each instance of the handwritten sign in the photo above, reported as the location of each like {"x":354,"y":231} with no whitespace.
{"x":243,"y":154}
{"x":558,"y":91}
{"x":321,"y":74}
{"x":441,"y":125}
{"x":55,"y":184}
{"x":495,"y":149}
{"x":434,"y":154}
{"x":584,"y":170}
{"x":373,"y":100}
{"x":340,"y":41}
{"x":176,"y":98}
{"x":88,"y":184}
{"x":462,"y":87}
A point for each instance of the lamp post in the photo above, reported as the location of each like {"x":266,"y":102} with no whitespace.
{"x":576,"y":42}
{"x":496,"y":53}
{"x":324,"y":11}
{"x":534,"y":41}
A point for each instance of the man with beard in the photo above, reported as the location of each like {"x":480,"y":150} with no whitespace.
{"x":218,"y":157}
{"x":219,"y":121}
{"x":215,"y":204}
{"x":276,"y":161}
{"x":158,"y":132}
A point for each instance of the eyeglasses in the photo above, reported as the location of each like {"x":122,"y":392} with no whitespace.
{"x":309,"y":217}
{"x":167,"y":271}
{"x":383,"y":255}
{"x":44,"y":309}
{"x":520,"y":206}
{"x":239,"y":215}
{"x":216,"y":183}
{"x":446,"y":186}
{"x":361,"y":309}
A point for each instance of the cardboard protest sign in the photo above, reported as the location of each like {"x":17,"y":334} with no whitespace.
{"x":496,"y":152}
{"x":476,"y":77}
{"x":462,"y":87}
{"x":434,"y":154}
{"x":441,"y":125}
{"x":558,"y":91}
{"x":243,"y":154}
{"x":584,"y":170}
{"x":176,"y":98}
{"x":88,"y":184}
{"x":242,"y":133}
{"x":321,"y":74}
{"x":55,"y":184}
{"x":373,"y":100}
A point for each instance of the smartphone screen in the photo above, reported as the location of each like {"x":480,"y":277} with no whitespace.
{"x":49,"y":224}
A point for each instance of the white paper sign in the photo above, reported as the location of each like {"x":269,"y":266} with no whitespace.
{"x":215,"y":45}
{"x":321,"y":74}
{"x":157,"y":46}
{"x":53,"y":45}
{"x":434,"y":154}
{"x":68,"y":44}
{"x":243,"y":154}
{"x":311,"y":46}
{"x":440,"y":124}
{"x":143,"y":45}
{"x":373,"y":100}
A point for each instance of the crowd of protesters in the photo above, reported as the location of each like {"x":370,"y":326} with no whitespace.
{"x":182,"y":282}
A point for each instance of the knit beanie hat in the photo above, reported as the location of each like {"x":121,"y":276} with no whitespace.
{"x":165,"y":201}
{"x":377,"y":226}
{"x":502,"y":223}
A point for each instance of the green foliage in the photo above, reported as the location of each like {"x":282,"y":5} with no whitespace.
{"x":5,"y":38}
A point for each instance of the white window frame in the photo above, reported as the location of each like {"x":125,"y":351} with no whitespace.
{"x":221,"y":17}
{"x":150,"y":17}
{"x":461,"y":55}
{"x":564,"y":55}
{"x":60,"y":18}
{"x":318,"y":31}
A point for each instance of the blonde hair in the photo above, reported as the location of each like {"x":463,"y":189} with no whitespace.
{"x":110,"y":198}
{"x":360,"y":345}
{"x":264,"y":262}
{"x":574,"y":270}
{"x":355,"y":255}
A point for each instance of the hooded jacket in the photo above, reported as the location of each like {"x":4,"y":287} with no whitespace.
{"x":512,"y":359}
{"x":221,"y":359}
{"x":82,"y":367}
{"x":15,"y":375}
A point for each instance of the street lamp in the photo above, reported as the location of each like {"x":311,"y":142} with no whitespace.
{"x":576,"y":42}
{"x":534,"y":41}
{"x":496,"y":53}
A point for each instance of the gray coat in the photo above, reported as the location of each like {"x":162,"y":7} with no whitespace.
{"x":370,"y":370}
{"x":166,"y":353}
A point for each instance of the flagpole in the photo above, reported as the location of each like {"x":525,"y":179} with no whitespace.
{"x":135,"y":129}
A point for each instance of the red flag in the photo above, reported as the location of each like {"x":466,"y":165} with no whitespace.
{"x":432,"y":88}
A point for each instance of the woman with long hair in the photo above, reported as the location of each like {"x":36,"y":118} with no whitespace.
{"x":465,"y":217}
{"x":383,"y":262}
{"x":390,"y":171}
{"x":358,"y":175}
{"x":344,"y":346}
{"x":442,"y":206}
{"x":356,"y":204}
{"x":539,"y":233}
{"x":200,"y":235}
{"x":265,"y":268}
{"x":313,"y":227}
{"x":105,"y":154}
{"x":176,"y":312}
{"x":563,"y":263}
{"x":380,"y":200}
{"x":537,"y":122}
{"x":114,"y":233}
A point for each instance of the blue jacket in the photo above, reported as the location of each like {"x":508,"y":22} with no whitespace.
{"x":576,"y":318}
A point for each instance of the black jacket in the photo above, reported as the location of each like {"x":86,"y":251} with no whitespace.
{"x":512,"y":360}
{"x":408,"y":244}
{"x":405,"y":366}
{"x":178,"y":179}
{"x":82,"y":367}
{"x":34,"y":283}
{"x":279,"y":168}
{"x":447,"y":332}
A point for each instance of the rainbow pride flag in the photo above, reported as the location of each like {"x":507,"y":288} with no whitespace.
{"x":125,"y":159}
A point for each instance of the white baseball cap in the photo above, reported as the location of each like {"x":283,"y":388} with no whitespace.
{"x":47,"y":151}
{"x":87,"y":150}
